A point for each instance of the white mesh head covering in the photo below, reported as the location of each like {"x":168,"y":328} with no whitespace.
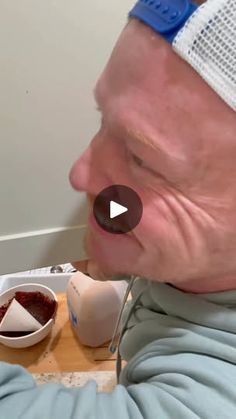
{"x":204,"y":36}
{"x":208,"y":43}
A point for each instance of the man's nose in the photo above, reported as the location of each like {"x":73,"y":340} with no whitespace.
{"x":87,"y":174}
{"x":79,"y":174}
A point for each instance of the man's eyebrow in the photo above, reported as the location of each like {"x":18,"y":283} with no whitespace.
{"x":139,"y":136}
{"x":142,"y":138}
{"x":146,"y":140}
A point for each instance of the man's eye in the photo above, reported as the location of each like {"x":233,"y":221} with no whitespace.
{"x":140,"y":163}
{"x":137,"y":160}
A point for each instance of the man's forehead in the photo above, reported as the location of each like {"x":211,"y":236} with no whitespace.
{"x":143,"y":62}
{"x":139,"y":57}
{"x":144,"y":66}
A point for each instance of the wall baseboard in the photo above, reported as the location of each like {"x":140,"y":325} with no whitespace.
{"x":21,"y":252}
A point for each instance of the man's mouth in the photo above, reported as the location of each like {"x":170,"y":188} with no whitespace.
{"x":113,"y":227}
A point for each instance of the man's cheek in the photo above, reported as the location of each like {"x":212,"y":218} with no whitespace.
{"x":161,"y":235}
{"x":156,"y":223}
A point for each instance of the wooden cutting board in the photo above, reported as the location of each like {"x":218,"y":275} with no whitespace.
{"x":61,"y":351}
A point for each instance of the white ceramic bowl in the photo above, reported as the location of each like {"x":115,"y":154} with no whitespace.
{"x":35,"y":337}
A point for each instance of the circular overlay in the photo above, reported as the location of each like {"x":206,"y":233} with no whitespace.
{"x":118,"y":209}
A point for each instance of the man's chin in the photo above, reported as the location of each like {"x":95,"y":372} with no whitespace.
{"x":95,"y":258}
{"x":108,"y":266}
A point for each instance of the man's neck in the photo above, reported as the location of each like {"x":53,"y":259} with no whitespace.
{"x":208,"y":285}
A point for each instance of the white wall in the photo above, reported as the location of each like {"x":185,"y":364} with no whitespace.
{"x":51,"y":54}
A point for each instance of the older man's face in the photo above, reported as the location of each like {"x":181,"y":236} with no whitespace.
{"x":168,"y":136}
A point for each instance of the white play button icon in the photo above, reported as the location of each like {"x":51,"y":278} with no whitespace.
{"x":116,"y":209}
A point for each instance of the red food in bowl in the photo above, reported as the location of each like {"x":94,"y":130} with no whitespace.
{"x":40,"y":306}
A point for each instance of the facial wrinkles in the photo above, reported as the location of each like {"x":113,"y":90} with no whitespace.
{"x":188,"y":220}
{"x":181,"y":211}
{"x":175,"y":235}
{"x":185,"y":226}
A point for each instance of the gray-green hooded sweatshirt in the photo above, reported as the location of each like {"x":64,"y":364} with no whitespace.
{"x":181,"y":353}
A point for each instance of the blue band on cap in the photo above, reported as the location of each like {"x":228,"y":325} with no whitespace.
{"x":166,"y":17}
